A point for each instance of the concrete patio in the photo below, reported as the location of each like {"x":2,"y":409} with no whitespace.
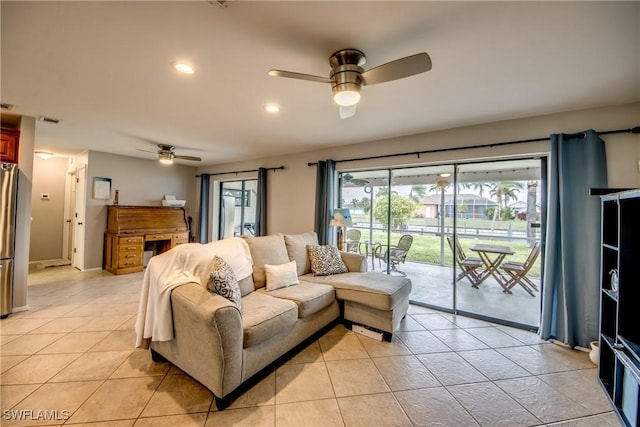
{"x":432,"y":285}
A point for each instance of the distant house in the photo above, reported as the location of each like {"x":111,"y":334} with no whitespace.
{"x":469,"y":206}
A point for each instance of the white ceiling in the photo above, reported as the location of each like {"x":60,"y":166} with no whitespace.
{"x":103,"y":68}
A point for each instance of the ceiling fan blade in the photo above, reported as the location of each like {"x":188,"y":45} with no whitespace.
{"x":299,"y":76}
{"x":398,"y":69}
{"x":192,"y":158}
{"x":147,"y":151}
{"x":346,"y":112}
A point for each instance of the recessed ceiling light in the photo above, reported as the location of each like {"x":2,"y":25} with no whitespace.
{"x":271,"y":108}
{"x":183,"y":67}
{"x":445,"y":175}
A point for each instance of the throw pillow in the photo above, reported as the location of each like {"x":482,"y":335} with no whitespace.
{"x":222,"y":281}
{"x":297,"y":249}
{"x":325,"y":260}
{"x":281,"y":276}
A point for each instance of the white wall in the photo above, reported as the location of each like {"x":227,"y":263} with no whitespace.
{"x":47,"y":215}
{"x":141,"y":182}
{"x":291,"y":192}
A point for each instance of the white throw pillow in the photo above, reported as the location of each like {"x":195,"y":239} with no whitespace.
{"x":281,"y":276}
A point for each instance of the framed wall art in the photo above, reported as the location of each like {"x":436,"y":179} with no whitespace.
{"x":101,"y":188}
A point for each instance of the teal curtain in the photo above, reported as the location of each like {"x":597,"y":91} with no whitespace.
{"x":325,"y":199}
{"x":261,"y":205}
{"x":571,"y":286}
{"x":204,"y":208}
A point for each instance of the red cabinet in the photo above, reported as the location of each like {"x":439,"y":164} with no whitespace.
{"x":9,"y":145}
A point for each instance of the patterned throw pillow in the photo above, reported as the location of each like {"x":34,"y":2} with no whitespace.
{"x":222,"y":281}
{"x":325,"y":260}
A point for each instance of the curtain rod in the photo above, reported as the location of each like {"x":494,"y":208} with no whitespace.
{"x":237,"y":172}
{"x":495,"y":144}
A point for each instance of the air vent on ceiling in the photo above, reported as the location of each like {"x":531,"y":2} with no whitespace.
{"x":48,"y":119}
{"x":6,"y":106}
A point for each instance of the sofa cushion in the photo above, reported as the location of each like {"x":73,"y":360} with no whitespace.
{"x":325,"y":260}
{"x":372,"y":289}
{"x":266,"y":250}
{"x":222,"y":281}
{"x":310,"y":297}
{"x":297,"y":249}
{"x":246,"y":285}
{"x":264,"y":317}
{"x":281,"y":276}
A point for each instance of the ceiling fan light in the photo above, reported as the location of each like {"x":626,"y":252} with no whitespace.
{"x":44,"y":155}
{"x":165,"y":158}
{"x":347,"y":97}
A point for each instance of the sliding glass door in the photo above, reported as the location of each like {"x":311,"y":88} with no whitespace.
{"x":498,"y":228}
{"x":467,"y":235}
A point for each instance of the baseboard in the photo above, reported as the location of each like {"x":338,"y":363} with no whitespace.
{"x":363,"y":330}
{"x":20,"y":309}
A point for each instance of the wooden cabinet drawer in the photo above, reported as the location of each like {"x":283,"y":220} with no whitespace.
{"x":129,"y":262}
{"x":163,"y":236}
{"x":130,"y":247}
{"x":179,"y":238}
{"x":124,"y":256}
{"x":128,"y":240}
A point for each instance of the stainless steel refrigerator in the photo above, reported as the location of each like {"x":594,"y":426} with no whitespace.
{"x":8,"y":201}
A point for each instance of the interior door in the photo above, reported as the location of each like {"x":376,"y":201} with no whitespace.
{"x":69,"y":209}
{"x":79,"y":218}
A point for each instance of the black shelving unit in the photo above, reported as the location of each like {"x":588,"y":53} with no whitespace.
{"x":619,"y":367}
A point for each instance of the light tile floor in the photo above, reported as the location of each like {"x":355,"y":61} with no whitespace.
{"x":73,"y":353}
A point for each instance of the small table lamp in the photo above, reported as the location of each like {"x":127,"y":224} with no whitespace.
{"x":341,"y":218}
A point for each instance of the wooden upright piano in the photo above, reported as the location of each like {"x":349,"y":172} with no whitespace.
{"x":132,"y":230}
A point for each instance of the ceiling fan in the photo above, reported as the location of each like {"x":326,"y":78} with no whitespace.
{"x":166,"y":154}
{"x":347,"y":75}
{"x":350,"y":181}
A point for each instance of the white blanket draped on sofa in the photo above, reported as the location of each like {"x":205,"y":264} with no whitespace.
{"x":183,"y":264}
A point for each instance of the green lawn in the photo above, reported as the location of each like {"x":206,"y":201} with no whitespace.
{"x":473,"y":223}
{"x":427,"y":249}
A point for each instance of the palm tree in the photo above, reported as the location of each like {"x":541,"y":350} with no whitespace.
{"x":478,"y":187}
{"x":510,"y":189}
{"x":417,"y":192}
{"x":503,"y":191}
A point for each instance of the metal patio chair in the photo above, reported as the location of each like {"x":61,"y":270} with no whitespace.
{"x":353,"y":240}
{"x":396,"y":254}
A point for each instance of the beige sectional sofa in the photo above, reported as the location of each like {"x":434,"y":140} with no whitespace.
{"x":222,"y":346}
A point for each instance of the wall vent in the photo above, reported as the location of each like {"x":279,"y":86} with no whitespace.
{"x":6,"y":106}
{"x":48,"y":119}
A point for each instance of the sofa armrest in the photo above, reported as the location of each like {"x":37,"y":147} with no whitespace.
{"x":208,"y":338}
{"x":355,"y":263}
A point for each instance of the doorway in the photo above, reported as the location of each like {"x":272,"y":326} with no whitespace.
{"x":237,"y":213}
{"x":69,"y":211}
{"x":78,"y":218}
